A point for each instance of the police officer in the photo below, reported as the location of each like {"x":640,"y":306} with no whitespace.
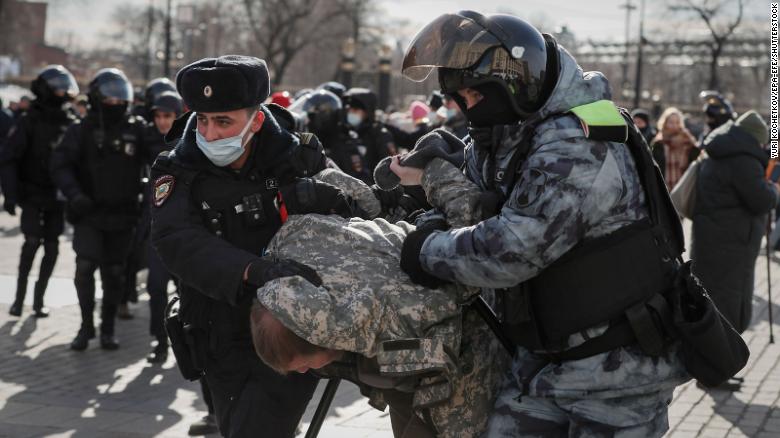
{"x":361,"y":117}
{"x":219,"y":197}
{"x":165,"y":109}
{"x":717,"y":110}
{"x":151,"y":92}
{"x":323,"y":113}
{"x":572,"y":250}
{"x":98,"y":167}
{"x":26,"y":179}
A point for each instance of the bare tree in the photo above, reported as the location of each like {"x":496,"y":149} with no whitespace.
{"x":283,"y":28}
{"x":720,"y":30}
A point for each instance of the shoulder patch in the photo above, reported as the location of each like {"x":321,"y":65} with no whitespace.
{"x":163,"y":187}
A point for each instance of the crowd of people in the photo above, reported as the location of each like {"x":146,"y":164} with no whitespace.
{"x":507,"y":199}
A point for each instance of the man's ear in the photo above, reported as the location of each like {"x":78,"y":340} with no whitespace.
{"x":258,"y":122}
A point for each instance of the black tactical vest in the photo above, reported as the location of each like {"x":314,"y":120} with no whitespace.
{"x":112,"y":165}
{"x":615,"y":279}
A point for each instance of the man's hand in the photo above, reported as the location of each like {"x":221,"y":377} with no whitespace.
{"x":262,"y":271}
{"x":307,"y":195}
{"x":409,"y":176}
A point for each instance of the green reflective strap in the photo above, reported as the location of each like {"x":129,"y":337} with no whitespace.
{"x":603,"y":121}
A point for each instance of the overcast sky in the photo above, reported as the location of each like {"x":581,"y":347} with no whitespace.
{"x":87,"y":20}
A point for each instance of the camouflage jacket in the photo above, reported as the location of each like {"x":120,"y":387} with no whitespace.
{"x":368,"y":306}
{"x":568,"y":189}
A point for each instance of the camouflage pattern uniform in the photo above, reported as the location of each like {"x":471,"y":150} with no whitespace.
{"x":368,"y":307}
{"x":356,"y":189}
{"x":568,"y":189}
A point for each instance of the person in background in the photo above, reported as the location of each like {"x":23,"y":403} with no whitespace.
{"x":642,"y":122}
{"x":674,"y":148}
{"x":24,"y":171}
{"x":732,"y":200}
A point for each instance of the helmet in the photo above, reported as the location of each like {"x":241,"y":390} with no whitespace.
{"x":470,"y":49}
{"x":334,"y":87}
{"x":281,"y":98}
{"x":55,"y":83}
{"x":717,"y":108}
{"x":109,"y":83}
{"x":168,"y":101}
{"x":323,"y":111}
{"x":155,"y":88}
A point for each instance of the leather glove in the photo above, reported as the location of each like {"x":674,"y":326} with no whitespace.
{"x":9,"y":205}
{"x":410,"y":256}
{"x":307,"y":195}
{"x":81,"y":204}
{"x":263,"y":271}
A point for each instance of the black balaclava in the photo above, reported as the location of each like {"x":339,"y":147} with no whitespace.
{"x":495,"y":108}
{"x":113,"y":114}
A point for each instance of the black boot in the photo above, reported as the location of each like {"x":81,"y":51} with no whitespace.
{"x":108,"y":342}
{"x":39,"y":310}
{"x":204,"y":426}
{"x":81,"y":341}
{"x":50,"y":251}
{"x":159,"y":354}
{"x":29,"y":247}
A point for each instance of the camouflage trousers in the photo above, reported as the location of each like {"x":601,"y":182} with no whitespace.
{"x":621,"y":393}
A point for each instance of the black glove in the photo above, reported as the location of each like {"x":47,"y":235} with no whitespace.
{"x":410,"y":257}
{"x":388,"y":199}
{"x":307,"y":195}
{"x":263,"y":271}
{"x":482,"y":137}
{"x":9,"y":205}
{"x":81,"y":205}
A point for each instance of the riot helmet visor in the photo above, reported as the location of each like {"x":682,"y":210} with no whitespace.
{"x":115,"y":89}
{"x":451,"y":41}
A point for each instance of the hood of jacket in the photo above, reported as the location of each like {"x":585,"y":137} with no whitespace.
{"x":729,"y":140}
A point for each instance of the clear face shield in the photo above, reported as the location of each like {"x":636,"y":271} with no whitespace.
{"x":451,"y":41}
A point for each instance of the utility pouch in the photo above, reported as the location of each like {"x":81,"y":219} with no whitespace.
{"x":711,"y":350}
{"x":180,"y":344}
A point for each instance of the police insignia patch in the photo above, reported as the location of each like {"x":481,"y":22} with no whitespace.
{"x":163,"y":187}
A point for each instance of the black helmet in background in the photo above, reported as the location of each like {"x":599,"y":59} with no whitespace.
{"x":334,"y":87}
{"x":362,"y":98}
{"x":110,"y":94}
{"x":155,"y":88}
{"x":494,"y":53}
{"x":54,"y":85}
{"x":322,"y":111}
{"x":168,"y":101}
{"x":717,"y":109}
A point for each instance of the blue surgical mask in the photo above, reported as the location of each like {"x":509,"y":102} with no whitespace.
{"x":225,"y":150}
{"x":354,"y":119}
{"x":451,"y":112}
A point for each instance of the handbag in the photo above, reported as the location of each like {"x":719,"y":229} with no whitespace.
{"x":683,"y":193}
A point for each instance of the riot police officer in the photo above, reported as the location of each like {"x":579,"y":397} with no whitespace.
{"x":98,"y":167}
{"x":361,"y":117}
{"x":165,"y":109}
{"x":323,"y":113}
{"x":717,"y":110}
{"x":570,"y":247}
{"x":151,"y":92}
{"x":218,"y":198}
{"x":26,"y":179}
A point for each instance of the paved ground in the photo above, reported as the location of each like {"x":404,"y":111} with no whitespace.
{"x":46,"y":390}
